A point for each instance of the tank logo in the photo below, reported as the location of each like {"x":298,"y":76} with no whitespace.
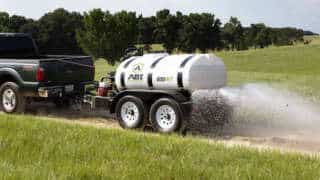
{"x":138,"y":68}
{"x":135,"y":77}
{"x":164,"y":79}
{"x":137,"y":72}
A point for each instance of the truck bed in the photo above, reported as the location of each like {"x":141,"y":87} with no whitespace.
{"x":67,"y":69}
{"x":58,"y":69}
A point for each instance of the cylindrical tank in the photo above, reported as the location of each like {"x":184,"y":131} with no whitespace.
{"x":171,"y":72}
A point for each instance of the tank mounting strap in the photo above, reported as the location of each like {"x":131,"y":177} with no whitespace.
{"x":122,"y":80}
{"x":150,"y":83}
{"x":154,"y":64}
{"x":184,"y":63}
{"x":129,"y":62}
{"x":180,"y":79}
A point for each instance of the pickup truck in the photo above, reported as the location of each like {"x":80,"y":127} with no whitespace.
{"x":26,"y":75}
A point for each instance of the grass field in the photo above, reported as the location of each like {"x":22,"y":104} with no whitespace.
{"x":33,"y":148}
{"x":295,"y":67}
{"x":38,"y":148}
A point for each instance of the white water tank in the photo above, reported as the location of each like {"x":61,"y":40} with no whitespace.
{"x":171,"y":72}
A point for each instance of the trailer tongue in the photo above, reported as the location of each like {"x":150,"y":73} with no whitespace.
{"x":155,"y":89}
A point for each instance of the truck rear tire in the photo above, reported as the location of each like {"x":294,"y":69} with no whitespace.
{"x":130,"y":112}
{"x":11,"y":100}
{"x":166,"y":115}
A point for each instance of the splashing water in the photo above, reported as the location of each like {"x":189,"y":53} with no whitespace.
{"x":254,"y":103}
{"x":259,"y":106}
{"x":210,"y":112}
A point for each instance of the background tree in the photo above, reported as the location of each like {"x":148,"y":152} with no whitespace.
{"x":107,"y":36}
{"x":16,"y":22}
{"x":263,"y":38}
{"x":31,"y":28}
{"x":4,"y":22}
{"x":199,"y":31}
{"x":217,"y":40}
{"x":57,"y":32}
{"x":126,"y":32}
{"x":146,"y":28}
{"x":167,"y":27}
{"x":309,"y":33}
{"x":187,"y":35}
{"x":259,"y":36}
{"x":205,"y":35}
{"x":234,"y":35}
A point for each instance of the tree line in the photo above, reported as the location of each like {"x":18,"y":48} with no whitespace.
{"x":102,"y":34}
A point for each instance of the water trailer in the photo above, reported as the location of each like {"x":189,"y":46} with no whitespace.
{"x":155,"y":89}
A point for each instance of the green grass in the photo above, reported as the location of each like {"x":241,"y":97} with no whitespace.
{"x":157,"y":47}
{"x":102,"y":68}
{"x":34,"y":148}
{"x":294,"y":67}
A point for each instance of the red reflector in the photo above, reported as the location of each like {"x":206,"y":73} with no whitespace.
{"x":102,"y":91}
{"x":40,"y":74}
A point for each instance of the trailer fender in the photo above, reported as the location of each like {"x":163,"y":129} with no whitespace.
{"x":149,"y":96}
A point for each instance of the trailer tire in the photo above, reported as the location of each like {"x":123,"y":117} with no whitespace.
{"x":166,"y":115}
{"x":130,"y":112}
{"x":11,"y":99}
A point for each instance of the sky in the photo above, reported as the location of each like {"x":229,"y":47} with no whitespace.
{"x":303,"y":14}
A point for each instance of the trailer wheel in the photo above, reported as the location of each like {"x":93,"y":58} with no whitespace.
{"x":11,"y":100}
{"x":166,"y":115}
{"x":130,"y":112}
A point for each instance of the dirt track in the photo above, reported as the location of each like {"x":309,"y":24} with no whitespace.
{"x":287,"y":140}
{"x":256,"y":137}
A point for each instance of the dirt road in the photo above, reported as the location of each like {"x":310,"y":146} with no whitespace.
{"x":256,"y":137}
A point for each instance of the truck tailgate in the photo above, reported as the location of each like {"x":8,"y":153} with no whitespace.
{"x":68,"y":69}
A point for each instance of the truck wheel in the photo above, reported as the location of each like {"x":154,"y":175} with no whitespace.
{"x":130,"y":112}
{"x":166,"y":115}
{"x":11,"y":99}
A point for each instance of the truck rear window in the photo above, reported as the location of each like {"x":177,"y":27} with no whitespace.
{"x":16,"y":47}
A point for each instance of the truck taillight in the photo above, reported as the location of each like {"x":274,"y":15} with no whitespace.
{"x":40,"y":74}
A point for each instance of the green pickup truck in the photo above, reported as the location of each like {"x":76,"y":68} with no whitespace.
{"x":25,"y":75}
